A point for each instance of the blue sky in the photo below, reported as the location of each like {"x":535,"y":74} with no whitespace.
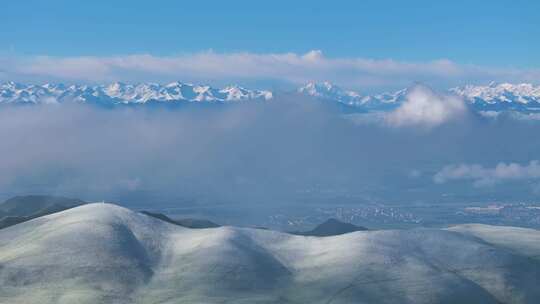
{"x":488,"y":34}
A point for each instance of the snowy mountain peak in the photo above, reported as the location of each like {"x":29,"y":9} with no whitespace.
{"x":523,"y":93}
{"x":522,"y":97}
{"x":121,"y":93}
{"x":322,"y":89}
{"x":328,"y":91}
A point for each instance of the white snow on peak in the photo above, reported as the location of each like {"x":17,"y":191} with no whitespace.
{"x":328,"y":91}
{"x":523,"y":93}
{"x":522,"y":97}
{"x":122,"y":93}
{"x":235,"y":92}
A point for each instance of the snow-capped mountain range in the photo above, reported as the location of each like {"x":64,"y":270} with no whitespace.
{"x":329,"y":91}
{"x":493,"y":97}
{"x":524,"y":93}
{"x":121,"y":93}
{"x":503,"y":96}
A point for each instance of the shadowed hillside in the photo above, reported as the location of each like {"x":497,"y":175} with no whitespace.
{"x":23,"y":208}
{"x":332,"y":227}
{"x":188,"y":223}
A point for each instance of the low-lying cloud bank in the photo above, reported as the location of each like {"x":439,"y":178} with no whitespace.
{"x":264,"y":69}
{"x":251,"y":153}
{"x":482,"y":176}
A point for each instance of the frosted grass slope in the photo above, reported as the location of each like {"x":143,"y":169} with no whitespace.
{"x":102,"y":253}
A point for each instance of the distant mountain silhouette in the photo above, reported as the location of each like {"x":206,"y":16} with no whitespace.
{"x":24,"y":208}
{"x":332,"y":227}
{"x":188,"y":223}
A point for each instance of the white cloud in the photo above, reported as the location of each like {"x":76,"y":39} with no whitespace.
{"x":288,"y":67}
{"x":488,"y":176}
{"x":423,"y":107}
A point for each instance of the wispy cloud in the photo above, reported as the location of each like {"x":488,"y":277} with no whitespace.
{"x":424,"y":107}
{"x":294,"y":68}
{"x":482,"y":176}
{"x":421,"y":108}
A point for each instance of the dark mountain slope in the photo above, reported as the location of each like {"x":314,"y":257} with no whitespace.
{"x":188,"y":223}
{"x":24,"y":208}
{"x":332,"y":227}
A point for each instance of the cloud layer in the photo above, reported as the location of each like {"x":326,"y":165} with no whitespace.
{"x":293,"y":149}
{"x":266,"y":69}
{"x":482,"y":176}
